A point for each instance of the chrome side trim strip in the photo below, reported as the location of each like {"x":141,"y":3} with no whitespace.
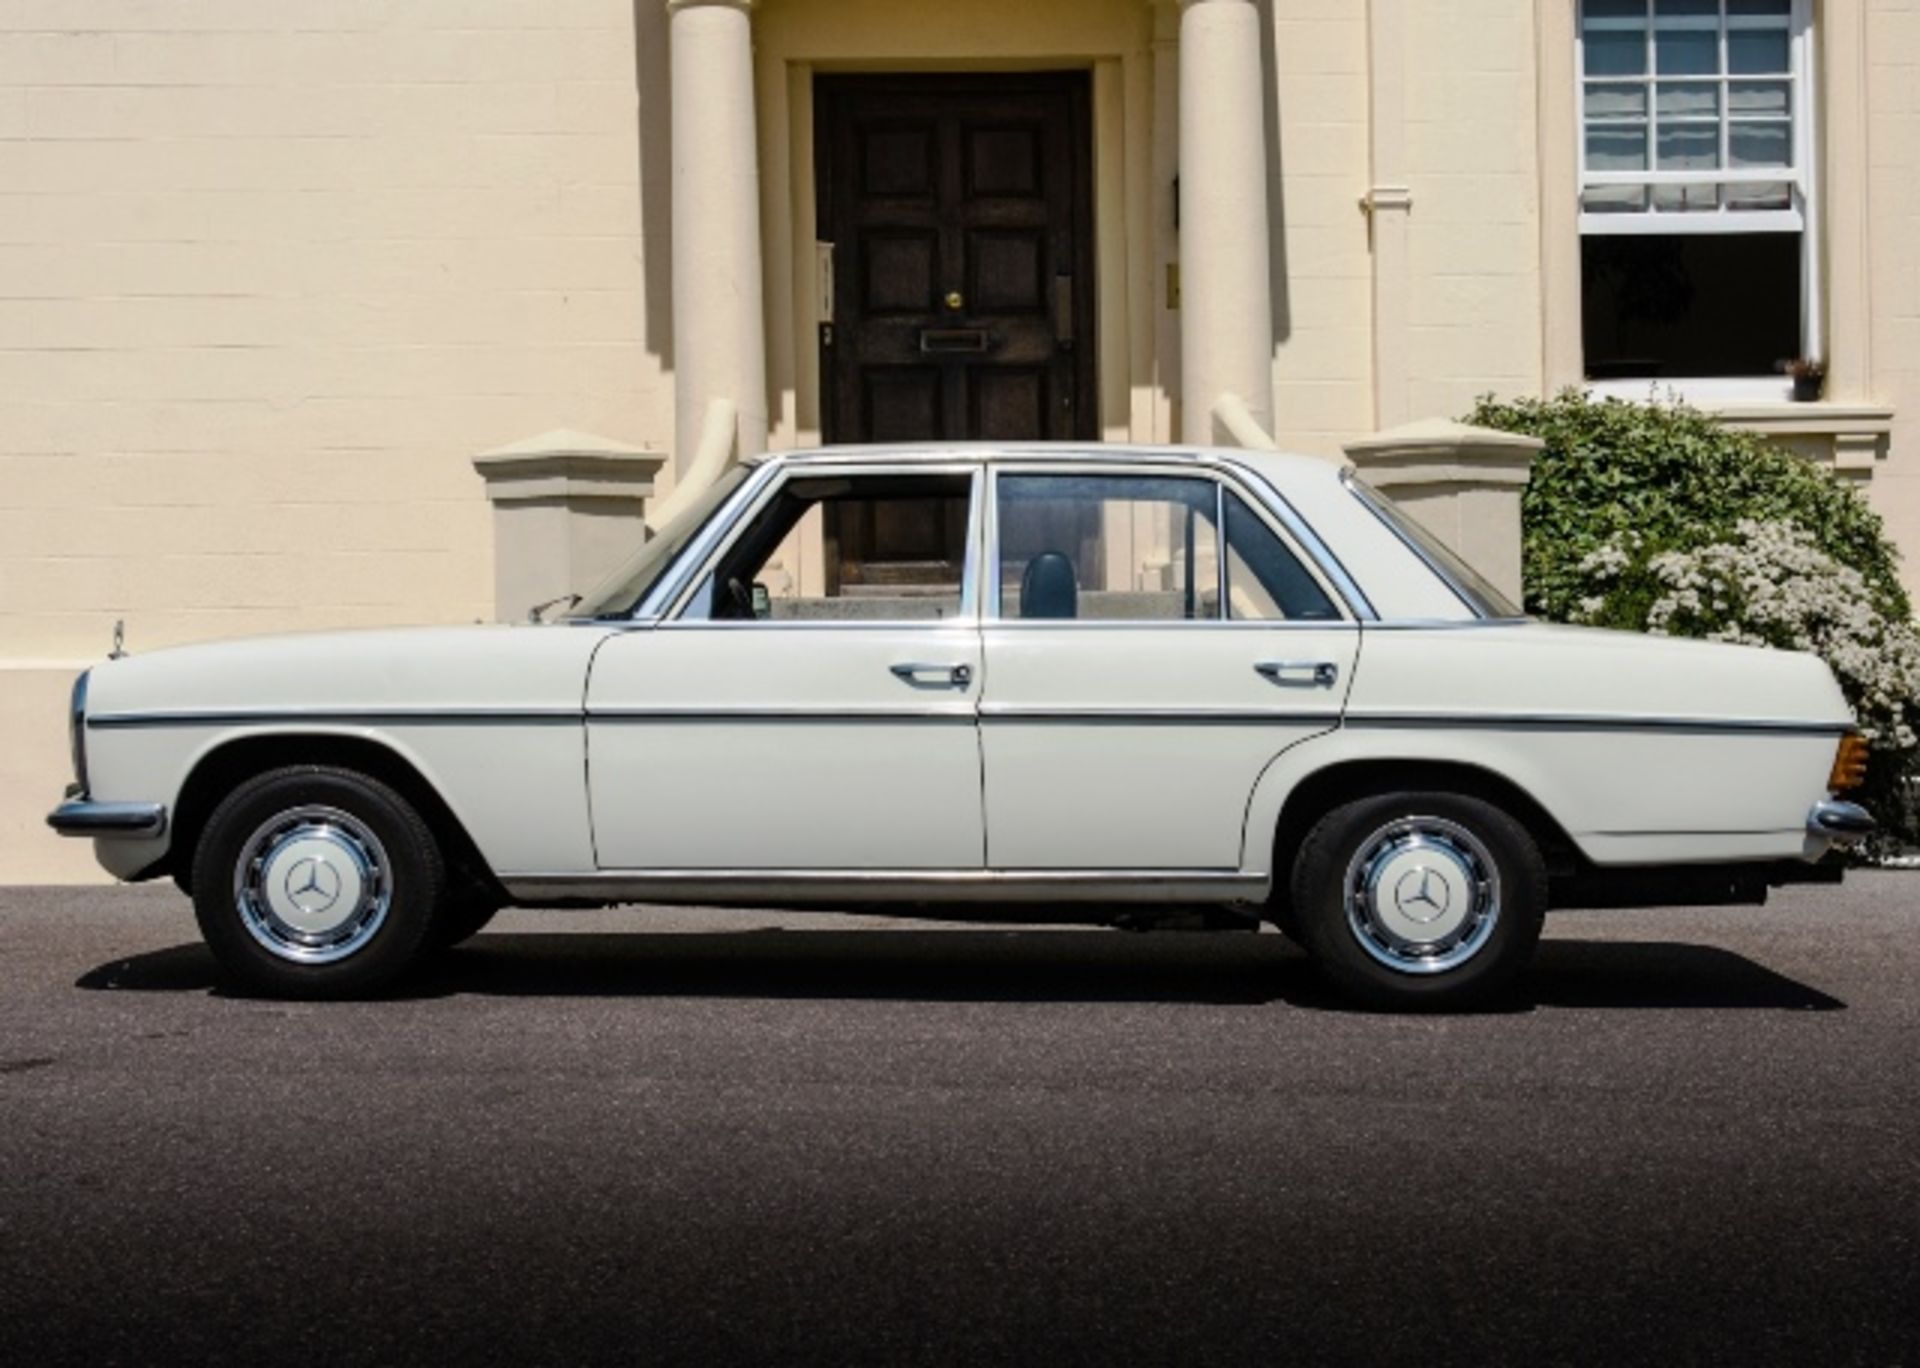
{"x":1178,"y":625}
{"x":388,"y":717}
{"x":785,"y":886}
{"x":83,"y":817}
{"x":951,"y":713}
{"x":1595,"y":722}
{"x":1014,"y":712}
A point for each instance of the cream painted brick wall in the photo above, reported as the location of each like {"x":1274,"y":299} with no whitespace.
{"x":1473,"y":232}
{"x":1893,"y":141}
{"x":271,"y":272}
{"x":1322,"y":270}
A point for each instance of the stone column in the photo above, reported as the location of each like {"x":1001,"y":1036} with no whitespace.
{"x":719,"y":331}
{"x":1226,"y":310}
{"x":1463,"y":483}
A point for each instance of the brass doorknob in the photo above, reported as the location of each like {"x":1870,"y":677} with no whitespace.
{"x":955,"y":301}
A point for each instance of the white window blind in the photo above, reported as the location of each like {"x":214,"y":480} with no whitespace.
{"x":1694,"y":116}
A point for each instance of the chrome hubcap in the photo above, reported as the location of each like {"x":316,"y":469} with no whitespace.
{"x":311,"y":884}
{"x":1422,"y":895}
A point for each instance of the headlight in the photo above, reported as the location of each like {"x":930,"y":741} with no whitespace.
{"x":77,"y":729}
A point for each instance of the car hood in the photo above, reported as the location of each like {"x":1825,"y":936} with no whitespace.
{"x":390,"y":670}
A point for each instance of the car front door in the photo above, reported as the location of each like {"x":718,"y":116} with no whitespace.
{"x":803,"y":709}
{"x":1142,"y":669}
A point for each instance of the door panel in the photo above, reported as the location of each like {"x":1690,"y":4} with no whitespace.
{"x":1119,"y":747}
{"x":770,"y":746}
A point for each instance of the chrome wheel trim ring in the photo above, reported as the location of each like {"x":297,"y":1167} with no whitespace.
{"x":1422,"y":895}
{"x":311,"y":884}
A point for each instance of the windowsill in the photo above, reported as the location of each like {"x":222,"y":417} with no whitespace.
{"x":1851,"y":436}
{"x":1817,"y":416}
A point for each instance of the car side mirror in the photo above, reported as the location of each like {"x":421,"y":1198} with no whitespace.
{"x":762,"y":601}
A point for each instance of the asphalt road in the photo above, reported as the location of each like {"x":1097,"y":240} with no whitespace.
{"x":712,"y":1137}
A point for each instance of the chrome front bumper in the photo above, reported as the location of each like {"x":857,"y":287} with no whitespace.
{"x":84,"y":817}
{"x":1843,"y":824}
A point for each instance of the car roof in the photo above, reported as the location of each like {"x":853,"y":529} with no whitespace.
{"x":1052,"y":451}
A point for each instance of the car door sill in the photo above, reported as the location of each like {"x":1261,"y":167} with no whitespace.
{"x":783,"y":886}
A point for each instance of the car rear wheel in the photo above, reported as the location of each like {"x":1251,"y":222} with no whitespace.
{"x":1419,"y":900}
{"x":316,"y":882}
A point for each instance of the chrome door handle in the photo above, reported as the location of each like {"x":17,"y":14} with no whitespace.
{"x":915,"y":672}
{"x":1319,"y":673}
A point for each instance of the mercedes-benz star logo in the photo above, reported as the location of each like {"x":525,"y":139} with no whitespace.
{"x":313,"y":885}
{"x":1425,"y":890}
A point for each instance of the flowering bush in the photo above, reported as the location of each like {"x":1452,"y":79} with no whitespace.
{"x":1655,"y":518}
{"x":1677,"y":477}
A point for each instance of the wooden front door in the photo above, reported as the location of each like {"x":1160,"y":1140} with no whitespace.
{"x":959,"y":209}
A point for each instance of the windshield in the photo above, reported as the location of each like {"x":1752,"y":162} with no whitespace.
{"x":619,"y":593}
{"x":1473,"y":588}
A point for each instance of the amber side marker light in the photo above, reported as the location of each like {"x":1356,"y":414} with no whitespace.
{"x":1849,"y":764}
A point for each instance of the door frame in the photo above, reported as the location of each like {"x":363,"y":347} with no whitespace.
{"x":1078,"y":85}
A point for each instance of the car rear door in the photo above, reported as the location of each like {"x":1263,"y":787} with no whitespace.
{"x":1138,"y":681}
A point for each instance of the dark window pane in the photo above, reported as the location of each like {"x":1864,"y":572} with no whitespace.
{"x":1616,"y":147}
{"x":1265,"y":581}
{"x":1757,"y":51}
{"x":1663,"y":306}
{"x":1615,"y":51}
{"x":1686,"y":52}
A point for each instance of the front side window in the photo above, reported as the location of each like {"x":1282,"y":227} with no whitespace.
{"x":825,"y":548}
{"x":1696,"y":199}
{"x":1147,"y":548}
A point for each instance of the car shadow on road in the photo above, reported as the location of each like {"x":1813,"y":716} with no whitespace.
{"x":1002,"y":966}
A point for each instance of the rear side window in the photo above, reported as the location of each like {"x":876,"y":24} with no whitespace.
{"x":1144,"y":548}
{"x":1265,"y":580}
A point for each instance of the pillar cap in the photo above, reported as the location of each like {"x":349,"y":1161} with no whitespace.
{"x":675,"y":6}
{"x":1440,"y":450}
{"x":566,"y":464}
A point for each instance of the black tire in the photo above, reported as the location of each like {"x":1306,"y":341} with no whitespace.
{"x":462,"y":916}
{"x":282,"y":826}
{"x":1371,"y":869}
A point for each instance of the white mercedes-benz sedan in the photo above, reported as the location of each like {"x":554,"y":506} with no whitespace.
{"x":1101,"y":684}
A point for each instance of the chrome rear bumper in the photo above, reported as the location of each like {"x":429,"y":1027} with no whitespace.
{"x":84,"y":817}
{"x":1842,"y":823}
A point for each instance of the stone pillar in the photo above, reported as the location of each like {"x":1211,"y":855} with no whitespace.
{"x":719,"y":332}
{"x":1226,"y":309}
{"x":566,"y":511}
{"x":1463,"y":483}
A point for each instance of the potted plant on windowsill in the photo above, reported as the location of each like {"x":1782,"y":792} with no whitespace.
{"x":1808,"y":377}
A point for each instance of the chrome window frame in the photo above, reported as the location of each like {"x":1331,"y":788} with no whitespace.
{"x":653,"y":604}
{"x":1308,"y":549}
{"x":673,"y":616}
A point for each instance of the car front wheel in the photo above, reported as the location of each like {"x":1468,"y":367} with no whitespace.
{"x":1419,"y":900}
{"x":311,"y":881}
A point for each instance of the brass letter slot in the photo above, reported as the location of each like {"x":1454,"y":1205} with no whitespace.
{"x":955,"y":340}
